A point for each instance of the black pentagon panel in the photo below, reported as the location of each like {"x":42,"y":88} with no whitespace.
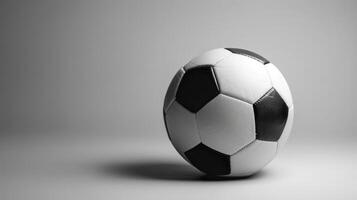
{"x":208,"y":160}
{"x":197,"y":87}
{"x":249,"y":54}
{"x":270,"y":113}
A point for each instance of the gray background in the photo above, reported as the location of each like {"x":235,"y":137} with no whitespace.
{"x":95,"y":72}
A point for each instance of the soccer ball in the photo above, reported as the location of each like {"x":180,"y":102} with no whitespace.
{"x":228,"y":112}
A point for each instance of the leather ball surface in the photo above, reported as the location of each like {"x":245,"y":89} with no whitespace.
{"x":228,"y":112}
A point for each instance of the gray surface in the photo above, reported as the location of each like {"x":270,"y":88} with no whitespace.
{"x":82,"y":86}
{"x":107,"y":168}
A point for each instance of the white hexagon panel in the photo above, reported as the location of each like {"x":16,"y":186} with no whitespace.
{"x":242,"y":77}
{"x":226,"y":124}
{"x":172,"y":89}
{"x":287,"y":129}
{"x":208,"y":58}
{"x":252,"y":158}
{"x":279,"y":83}
{"x":181,"y":127}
